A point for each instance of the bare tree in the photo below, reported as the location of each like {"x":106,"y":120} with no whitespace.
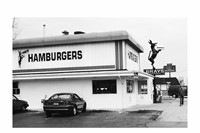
{"x":15,"y":28}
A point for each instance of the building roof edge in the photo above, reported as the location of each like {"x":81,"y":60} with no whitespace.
{"x":77,"y":38}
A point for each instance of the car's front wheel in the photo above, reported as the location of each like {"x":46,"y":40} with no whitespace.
{"x":74,"y":111}
{"x":84,"y":108}
{"x":48,"y":114}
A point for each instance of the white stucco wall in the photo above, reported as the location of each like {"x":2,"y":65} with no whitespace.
{"x":35,"y":90}
{"x":129,"y":99}
{"x":146,"y":98}
{"x":130,"y":64}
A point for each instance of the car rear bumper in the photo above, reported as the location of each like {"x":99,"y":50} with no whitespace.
{"x":58,"y":108}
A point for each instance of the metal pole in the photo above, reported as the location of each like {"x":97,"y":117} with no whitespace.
{"x":154,"y":88}
{"x":44,"y":30}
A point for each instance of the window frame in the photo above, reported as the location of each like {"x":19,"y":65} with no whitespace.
{"x":129,"y":86}
{"x":143,"y":85}
{"x":76,"y":97}
{"x":104,"y":86}
{"x":16,"y":89}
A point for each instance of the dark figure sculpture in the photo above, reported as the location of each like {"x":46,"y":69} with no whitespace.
{"x":21,"y":56}
{"x":154,"y":52}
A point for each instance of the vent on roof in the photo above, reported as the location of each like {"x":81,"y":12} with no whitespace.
{"x":79,"y":32}
{"x":65,"y":33}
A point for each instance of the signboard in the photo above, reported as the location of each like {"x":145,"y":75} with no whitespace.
{"x":133,"y":57}
{"x":71,"y":57}
{"x":155,"y":71}
{"x":136,"y":74}
{"x":170,"y":68}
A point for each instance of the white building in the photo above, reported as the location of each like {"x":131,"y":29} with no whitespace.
{"x":102,"y":68}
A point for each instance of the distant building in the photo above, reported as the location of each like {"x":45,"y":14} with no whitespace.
{"x":163,"y":84}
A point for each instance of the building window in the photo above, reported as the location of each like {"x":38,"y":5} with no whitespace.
{"x":129,"y":86}
{"x":142,"y":87}
{"x":16,"y":89}
{"x":15,"y":85}
{"x":104,"y":86}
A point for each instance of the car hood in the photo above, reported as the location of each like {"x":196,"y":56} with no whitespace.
{"x":24,"y":101}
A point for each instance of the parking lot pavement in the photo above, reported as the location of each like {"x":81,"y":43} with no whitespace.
{"x":87,"y":119}
{"x":153,"y":115}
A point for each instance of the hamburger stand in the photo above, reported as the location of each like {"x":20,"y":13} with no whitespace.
{"x":102,"y":68}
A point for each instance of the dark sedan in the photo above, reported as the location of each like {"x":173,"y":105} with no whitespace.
{"x":19,"y":105}
{"x":64,"y":102}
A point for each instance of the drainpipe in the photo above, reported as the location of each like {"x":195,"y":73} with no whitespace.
{"x":122,"y":91}
{"x":139,"y":62}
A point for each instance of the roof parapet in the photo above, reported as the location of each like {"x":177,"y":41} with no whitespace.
{"x":78,"y":38}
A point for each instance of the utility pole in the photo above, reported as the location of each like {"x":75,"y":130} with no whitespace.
{"x":44,"y":30}
{"x":152,"y":55}
{"x":154,"y":87}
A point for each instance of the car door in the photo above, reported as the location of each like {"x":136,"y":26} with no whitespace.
{"x":79,"y":101}
{"x":17,"y":104}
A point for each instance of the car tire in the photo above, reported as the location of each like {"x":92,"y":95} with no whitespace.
{"x":74,"y":111}
{"x":48,"y":114}
{"x":84,"y":108}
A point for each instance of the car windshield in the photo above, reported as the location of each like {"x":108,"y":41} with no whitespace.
{"x":14,"y":98}
{"x":61,"y":96}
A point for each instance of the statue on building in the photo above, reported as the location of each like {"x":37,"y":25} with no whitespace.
{"x":153,"y":53}
{"x":21,"y":56}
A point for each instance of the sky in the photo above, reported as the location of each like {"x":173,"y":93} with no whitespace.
{"x":168,"y":32}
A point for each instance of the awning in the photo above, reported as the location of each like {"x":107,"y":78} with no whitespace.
{"x":77,"y":75}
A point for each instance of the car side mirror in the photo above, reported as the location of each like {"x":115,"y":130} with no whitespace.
{"x":82,"y":99}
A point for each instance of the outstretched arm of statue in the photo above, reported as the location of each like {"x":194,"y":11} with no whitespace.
{"x":149,"y":54}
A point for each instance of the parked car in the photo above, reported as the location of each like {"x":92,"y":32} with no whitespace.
{"x":64,"y":102}
{"x":185,"y":88}
{"x":174,"y":90}
{"x":19,"y":105}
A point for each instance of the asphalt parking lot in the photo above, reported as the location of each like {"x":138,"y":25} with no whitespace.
{"x":88,"y":119}
{"x":168,"y":113}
